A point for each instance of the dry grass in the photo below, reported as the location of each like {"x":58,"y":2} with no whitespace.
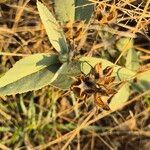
{"x":52,"y":119}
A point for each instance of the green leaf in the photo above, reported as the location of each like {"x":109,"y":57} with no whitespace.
{"x":120,"y":98}
{"x":65,"y":10}
{"x":30,"y":73}
{"x":63,"y":77}
{"x":143,"y":80}
{"x":53,"y":30}
{"x":84,"y":10}
{"x":121,"y":73}
{"x":64,"y":57}
{"x":124,"y":44}
{"x":132,"y":60}
{"x":63,"y":82}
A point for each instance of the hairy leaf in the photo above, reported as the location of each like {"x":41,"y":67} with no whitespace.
{"x":30,"y":73}
{"x":64,"y":76}
{"x":132,"y":60}
{"x":53,"y":30}
{"x":120,"y":98}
